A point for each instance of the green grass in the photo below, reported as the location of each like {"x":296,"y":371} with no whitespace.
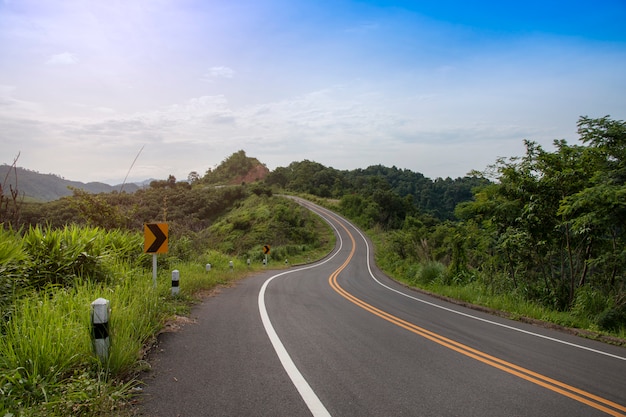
{"x":511,"y":304}
{"x":47,"y":362}
{"x":433,"y":277}
{"x":48,"y":366}
{"x":47,"y":355}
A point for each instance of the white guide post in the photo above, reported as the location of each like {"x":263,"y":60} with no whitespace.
{"x":100,"y":312}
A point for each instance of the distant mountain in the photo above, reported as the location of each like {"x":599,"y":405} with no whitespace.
{"x":47,"y":187}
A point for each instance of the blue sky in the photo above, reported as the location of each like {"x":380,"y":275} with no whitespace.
{"x":441,"y":87}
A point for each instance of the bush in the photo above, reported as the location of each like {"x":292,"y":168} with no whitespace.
{"x":283,"y":253}
{"x":612,"y":319}
{"x":63,"y":256}
{"x":589,"y":303}
{"x":14,"y":263}
{"x":430,"y":272}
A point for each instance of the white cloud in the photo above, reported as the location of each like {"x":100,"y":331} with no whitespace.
{"x":105,"y":110}
{"x":12,"y":107}
{"x":6,"y":90}
{"x":218,"y":72}
{"x":65,"y":58}
{"x":384,"y":87}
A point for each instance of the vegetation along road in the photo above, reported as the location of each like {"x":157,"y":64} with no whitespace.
{"x":540,"y":237}
{"x":338,"y":338}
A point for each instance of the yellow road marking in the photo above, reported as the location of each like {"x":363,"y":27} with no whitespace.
{"x":569,"y":391}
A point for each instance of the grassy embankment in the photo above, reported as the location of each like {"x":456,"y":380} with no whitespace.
{"x":476,"y":289}
{"x":49,"y":278}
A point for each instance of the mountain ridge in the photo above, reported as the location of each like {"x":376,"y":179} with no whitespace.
{"x":35,"y":186}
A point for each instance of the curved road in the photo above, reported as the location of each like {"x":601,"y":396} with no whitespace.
{"x":338,"y":338}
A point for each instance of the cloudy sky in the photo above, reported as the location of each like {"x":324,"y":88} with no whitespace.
{"x":438,"y":87}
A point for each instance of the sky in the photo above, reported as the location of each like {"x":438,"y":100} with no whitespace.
{"x":101,"y":90}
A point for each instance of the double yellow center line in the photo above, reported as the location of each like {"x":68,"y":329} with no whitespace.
{"x":599,"y":403}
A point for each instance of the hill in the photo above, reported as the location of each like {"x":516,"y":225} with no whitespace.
{"x":393,"y":190}
{"x":33,"y":185}
{"x":237,"y":169}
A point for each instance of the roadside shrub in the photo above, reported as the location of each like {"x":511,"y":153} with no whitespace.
{"x":218,"y":260}
{"x":181,"y":248}
{"x":589,"y":303}
{"x":14,"y":264}
{"x":430,"y":272}
{"x":283,"y":253}
{"x":63,"y":256}
{"x":612,"y":319}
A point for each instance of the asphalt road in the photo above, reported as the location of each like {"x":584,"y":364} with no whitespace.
{"x":338,"y":338}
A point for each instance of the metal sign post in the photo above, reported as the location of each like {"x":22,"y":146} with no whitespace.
{"x":154,"y":269}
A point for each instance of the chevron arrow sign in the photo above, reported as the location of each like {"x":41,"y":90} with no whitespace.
{"x":155,"y":238}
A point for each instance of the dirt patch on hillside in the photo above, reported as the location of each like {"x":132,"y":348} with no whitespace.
{"x":257,"y":173}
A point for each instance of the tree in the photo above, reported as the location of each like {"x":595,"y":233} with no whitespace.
{"x":557,"y":219}
{"x":193,"y":177}
{"x":598,"y":211}
{"x":97,"y":211}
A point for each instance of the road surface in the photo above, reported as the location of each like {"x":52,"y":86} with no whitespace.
{"x":338,"y":338}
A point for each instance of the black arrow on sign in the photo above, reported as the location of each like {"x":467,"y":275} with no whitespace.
{"x":159,"y":235}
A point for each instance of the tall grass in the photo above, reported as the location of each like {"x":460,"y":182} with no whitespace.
{"x":61,"y":256}
{"x":47,"y":346}
{"x":49,"y":331}
{"x":13,"y":265}
{"x":137,"y":311}
{"x":45,"y":339}
{"x":48,"y":280}
{"x":47,"y":362}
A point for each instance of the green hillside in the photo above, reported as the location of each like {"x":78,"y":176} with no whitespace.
{"x":34,"y":186}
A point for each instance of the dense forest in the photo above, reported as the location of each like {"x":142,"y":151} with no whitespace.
{"x":396,"y":193}
{"x":548,"y":226}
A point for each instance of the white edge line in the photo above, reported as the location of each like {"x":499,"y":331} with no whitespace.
{"x":469,"y":315}
{"x":495,"y":323}
{"x":306,"y":392}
